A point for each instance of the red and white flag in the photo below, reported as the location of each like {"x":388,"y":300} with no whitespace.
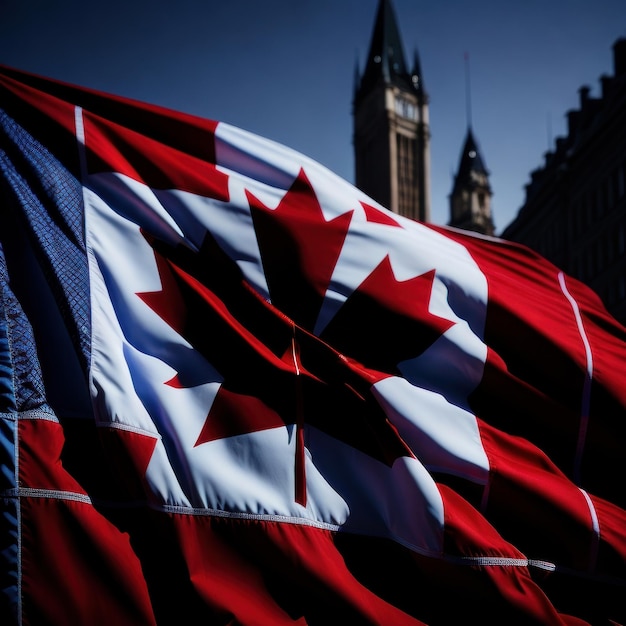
{"x":303,"y":408}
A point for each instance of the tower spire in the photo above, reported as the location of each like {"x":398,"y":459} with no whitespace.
{"x":416,"y":76}
{"x":470,"y":200}
{"x":468,"y":91}
{"x":385,"y":60}
{"x":391,"y":127}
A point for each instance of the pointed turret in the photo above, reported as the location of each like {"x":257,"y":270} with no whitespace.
{"x":471,"y":162}
{"x":416,"y":77}
{"x":470,"y":200}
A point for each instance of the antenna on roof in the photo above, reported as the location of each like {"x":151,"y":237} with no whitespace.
{"x":468,"y":95}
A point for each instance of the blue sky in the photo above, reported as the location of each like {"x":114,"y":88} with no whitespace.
{"x":285,"y":69}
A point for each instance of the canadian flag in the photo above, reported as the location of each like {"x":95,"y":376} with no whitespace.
{"x":304,"y":409}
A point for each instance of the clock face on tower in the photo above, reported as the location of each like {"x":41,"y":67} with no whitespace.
{"x":406,"y":109}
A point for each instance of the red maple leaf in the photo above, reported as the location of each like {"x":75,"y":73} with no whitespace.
{"x":299,"y":250}
{"x":274,"y":373}
{"x":385,"y":320}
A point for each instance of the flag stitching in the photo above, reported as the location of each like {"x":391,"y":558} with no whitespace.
{"x":29,"y":492}
{"x":595,"y":541}
{"x":129,"y":428}
{"x":32,"y":414}
{"x":586,"y":394}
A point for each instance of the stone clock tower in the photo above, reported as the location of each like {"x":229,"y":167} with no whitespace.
{"x":391,"y":133}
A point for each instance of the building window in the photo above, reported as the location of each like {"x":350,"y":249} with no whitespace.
{"x":406,"y":109}
{"x":407,"y":185}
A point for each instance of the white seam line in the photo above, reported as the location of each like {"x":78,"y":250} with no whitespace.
{"x":129,"y":428}
{"x":584,"y":424}
{"x":54,"y":494}
{"x":586,"y":394}
{"x":595,"y":524}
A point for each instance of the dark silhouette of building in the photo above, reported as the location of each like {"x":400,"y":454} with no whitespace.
{"x":470,"y":200}
{"x":391,"y":130}
{"x":575,"y":208}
